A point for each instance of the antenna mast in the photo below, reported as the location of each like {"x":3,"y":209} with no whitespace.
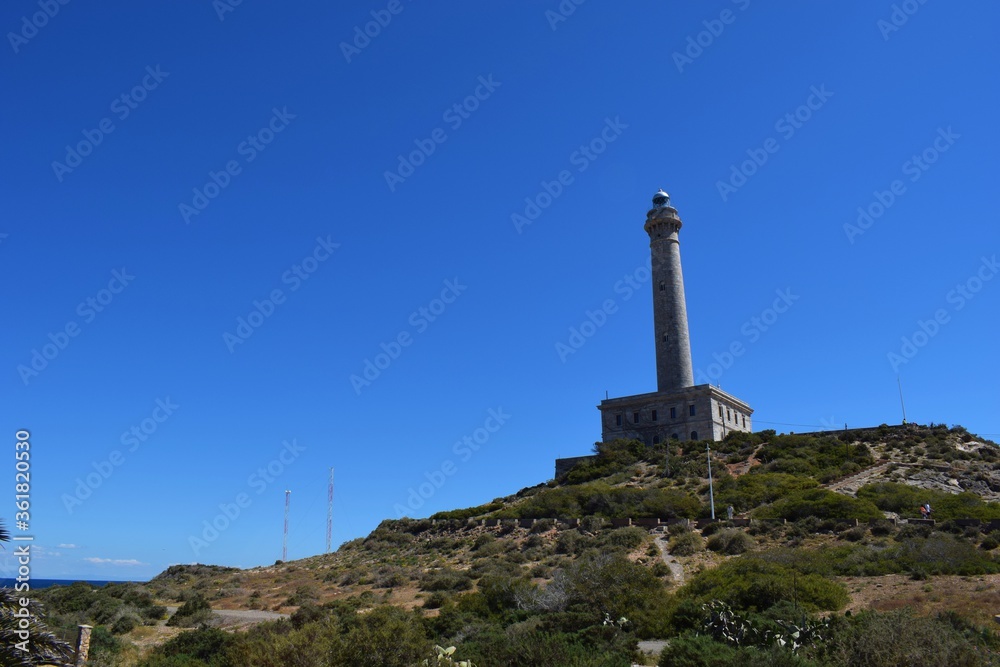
{"x":329,"y":514}
{"x":901,"y":404}
{"x":284,"y":541}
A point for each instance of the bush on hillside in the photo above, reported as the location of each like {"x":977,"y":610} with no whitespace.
{"x":750,"y":583}
{"x":906,"y":500}
{"x":819,"y":503}
{"x":731,"y":542}
{"x":193,"y":612}
{"x":686,"y":544}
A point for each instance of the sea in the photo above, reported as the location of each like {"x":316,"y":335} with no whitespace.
{"x":48,"y":583}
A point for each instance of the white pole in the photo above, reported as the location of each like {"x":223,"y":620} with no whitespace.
{"x":711,"y":492}
{"x":329,"y":514}
{"x":284,"y":541}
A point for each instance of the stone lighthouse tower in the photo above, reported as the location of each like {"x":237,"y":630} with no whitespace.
{"x":678,"y":409}
{"x":670,"y":322}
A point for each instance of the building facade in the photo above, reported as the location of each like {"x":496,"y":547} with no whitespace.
{"x":679,"y":409}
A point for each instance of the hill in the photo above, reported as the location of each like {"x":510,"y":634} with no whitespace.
{"x":554,"y":574}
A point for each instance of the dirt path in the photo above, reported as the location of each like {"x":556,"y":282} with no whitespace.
{"x":675,"y":568}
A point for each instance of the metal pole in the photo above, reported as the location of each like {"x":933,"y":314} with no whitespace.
{"x":711,"y":492}
{"x":284,"y":541}
{"x":329,"y":514}
{"x":899,"y":382}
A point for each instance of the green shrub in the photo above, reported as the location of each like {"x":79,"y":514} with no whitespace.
{"x":446,"y":579}
{"x":880,"y":639}
{"x":686,"y":544}
{"x":196,"y":610}
{"x":125,"y":623}
{"x":543,"y":526}
{"x":759,"y":488}
{"x":855,"y":534}
{"x":819,"y":503}
{"x":731,"y":542}
{"x":906,"y":500}
{"x":697,"y":650}
{"x":627,"y":538}
{"x":600,"y":499}
{"x":937,"y":554}
{"x":882,"y":529}
{"x":749,"y":583}
{"x":206,"y":645}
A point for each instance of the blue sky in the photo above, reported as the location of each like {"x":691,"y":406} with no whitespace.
{"x":456,"y":192}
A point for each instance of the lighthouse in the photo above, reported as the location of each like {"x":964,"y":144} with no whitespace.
{"x":678,"y":409}
{"x":670,"y":323}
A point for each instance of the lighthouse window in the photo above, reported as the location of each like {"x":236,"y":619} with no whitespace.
{"x":744,"y":421}
{"x":664,"y":338}
{"x":727,"y":415}
{"x":635,"y":417}
{"x":652,"y":415}
{"x":720,"y":411}
{"x":618,"y":420}
{"x":694,"y":435}
{"x":691,"y":410}
{"x":673,"y":436}
{"x":656,"y":439}
{"x":663,"y":286}
{"x":673,"y":413}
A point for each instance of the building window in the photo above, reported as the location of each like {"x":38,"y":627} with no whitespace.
{"x":691,"y":410}
{"x":694,"y":435}
{"x":663,"y":286}
{"x":744,"y":421}
{"x":727,"y":415}
{"x":635,"y":417}
{"x":674,"y":436}
{"x":720,"y":412}
{"x":673,"y":413}
{"x":664,"y":338}
{"x":618,"y":420}
{"x":653,"y":415}
{"x":656,"y":439}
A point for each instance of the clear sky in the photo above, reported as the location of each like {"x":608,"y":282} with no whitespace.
{"x":218,"y":213}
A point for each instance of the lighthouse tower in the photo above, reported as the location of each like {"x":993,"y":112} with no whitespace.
{"x":678,"y":409}
{"x":670,"y":322}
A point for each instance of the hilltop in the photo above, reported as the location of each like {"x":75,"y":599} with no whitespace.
{"x":818,"y":517}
